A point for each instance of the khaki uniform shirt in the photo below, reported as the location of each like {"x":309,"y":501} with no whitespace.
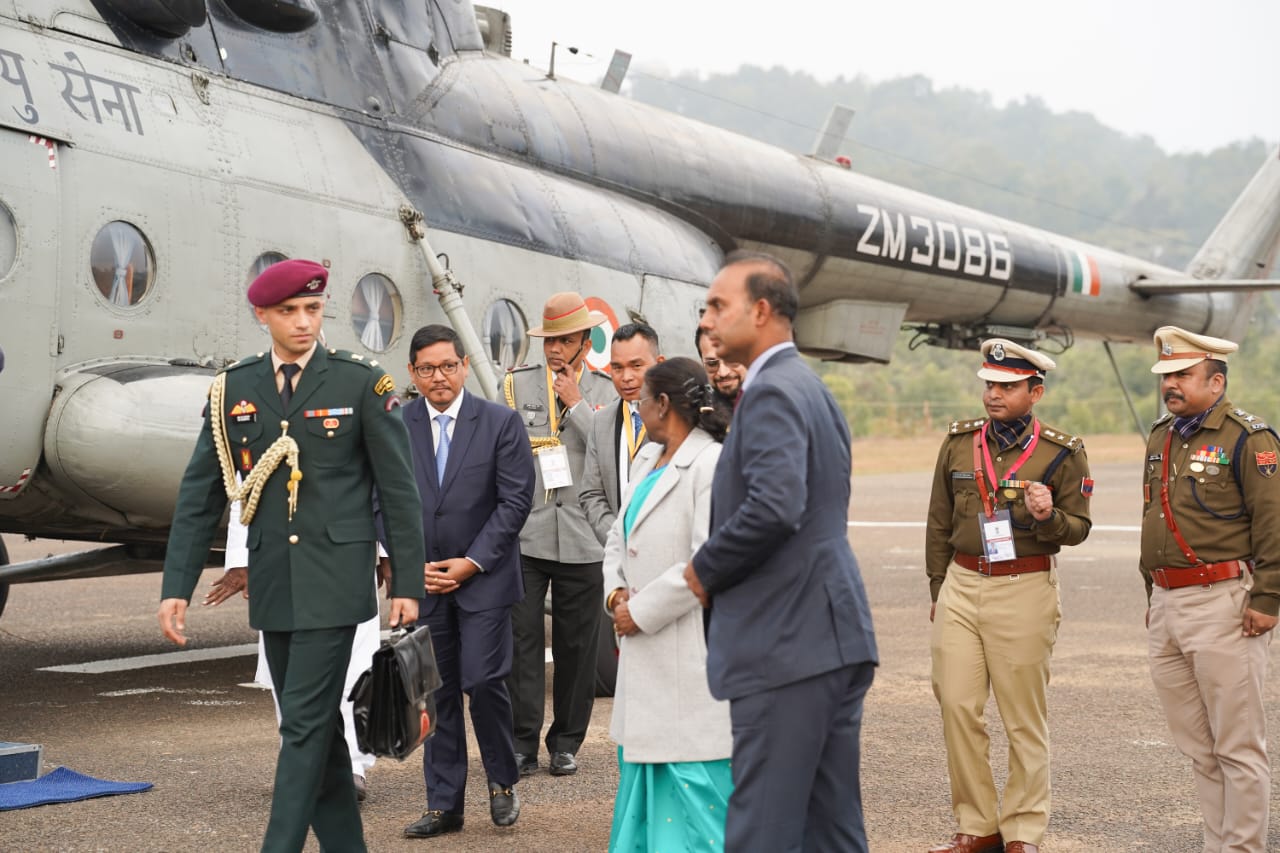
{"x":557,"y":528}
{"x":1225,"y":497}
{"x":955,"y":503}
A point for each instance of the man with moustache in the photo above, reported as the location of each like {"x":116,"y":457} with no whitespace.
{"x":1211,"y":562}
{"x":323,"y":413}
{"x":617,"y":432}
{"x":789,"y":636}
{"x":558,"y":548}
{"x":1008,"y":493}
{"x":475,"y":474}
{"x":726,"y":376}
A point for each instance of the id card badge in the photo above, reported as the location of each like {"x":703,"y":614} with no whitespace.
{"x":997,"y":536}
{"x":554,"y":464}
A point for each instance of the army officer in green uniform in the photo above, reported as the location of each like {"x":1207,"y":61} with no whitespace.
{"x":311,"y":434}
{"x":1008,"y":493}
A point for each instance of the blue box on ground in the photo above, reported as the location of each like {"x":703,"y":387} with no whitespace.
{"x":19,"y":762}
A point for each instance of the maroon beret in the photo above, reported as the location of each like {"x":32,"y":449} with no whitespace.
{"x":286,"y":280}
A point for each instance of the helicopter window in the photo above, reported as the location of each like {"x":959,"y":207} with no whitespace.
{"x":375,"y":312}
{"x":123,"y":264}
{"x":8,"y":241}
{"x":503,"y":331}
{"x":260,"y":263}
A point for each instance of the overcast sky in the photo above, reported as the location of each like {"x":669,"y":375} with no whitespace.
{"x":1193,"y":74}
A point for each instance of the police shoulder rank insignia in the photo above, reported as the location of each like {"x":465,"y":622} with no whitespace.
{"x":385,"y":385}
{"x":1086,"y":487}
{"x":1266,"y":460}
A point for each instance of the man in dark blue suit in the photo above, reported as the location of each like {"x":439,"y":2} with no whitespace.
{"x":789,"y":639}
{"x":475,"y":474}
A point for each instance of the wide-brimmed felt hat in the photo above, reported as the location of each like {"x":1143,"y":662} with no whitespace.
{"x":1179,"y":349}
{"x":1005,"y":361}
{"x":564,"y":314}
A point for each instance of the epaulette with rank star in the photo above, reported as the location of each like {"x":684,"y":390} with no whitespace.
{"x":959,"y":427}
{"x":1071,"y":442}
{"x":1166,"y":416}
{"x":1252,"y":423}
{"x":352,"y":358}
{"x":244,"y":362}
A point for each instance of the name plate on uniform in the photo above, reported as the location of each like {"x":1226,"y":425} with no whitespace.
{"x":554,"y":464}
{"x":997,"y":536}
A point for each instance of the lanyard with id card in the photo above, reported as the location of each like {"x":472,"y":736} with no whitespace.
{"x":996,"y":525}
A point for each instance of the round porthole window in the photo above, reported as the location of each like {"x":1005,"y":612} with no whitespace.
{"x":375,"y":312}
{"x":503,"y":331}
{"x":8,"y":241}
{"x":259,"y":265}
{"x":123,"y":264}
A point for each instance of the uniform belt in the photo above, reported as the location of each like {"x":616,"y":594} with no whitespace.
{"x":1168,"y":577}
{"x":1016,"y":566}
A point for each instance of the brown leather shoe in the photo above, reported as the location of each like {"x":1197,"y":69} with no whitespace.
{"x":1021,"y":847}
{"x":961,"y":843}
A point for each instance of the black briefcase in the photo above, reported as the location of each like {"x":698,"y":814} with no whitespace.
{"x":393,"y":705}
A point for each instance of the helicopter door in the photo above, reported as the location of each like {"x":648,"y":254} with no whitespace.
{"x":28,"y":300}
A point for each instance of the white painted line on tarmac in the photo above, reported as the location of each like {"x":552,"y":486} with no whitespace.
{"x":143,"y":661}
{"x":1102,"y":528}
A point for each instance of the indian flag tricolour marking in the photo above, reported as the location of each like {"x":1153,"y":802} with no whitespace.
{"x":1084,"y":273}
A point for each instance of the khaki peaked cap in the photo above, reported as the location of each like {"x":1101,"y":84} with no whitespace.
{"x":1005,"y":361}
{"x":1177,"y":349}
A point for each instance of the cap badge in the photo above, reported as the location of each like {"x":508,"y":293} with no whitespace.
{"x":314,"y":284}
{"x":997,"y":352}
{"x":1167,"y":349}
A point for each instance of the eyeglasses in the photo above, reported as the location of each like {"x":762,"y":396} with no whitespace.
{"x":426,"y":371}
{"x":711,"y":364}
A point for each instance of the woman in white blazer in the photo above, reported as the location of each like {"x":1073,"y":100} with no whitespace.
{"x":674,"y":740}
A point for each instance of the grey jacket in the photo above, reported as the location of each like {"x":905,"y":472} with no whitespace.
{"x":557,"y":528}
{"x":600,"y":490}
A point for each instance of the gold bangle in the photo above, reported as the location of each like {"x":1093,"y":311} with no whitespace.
{"x":612,"y":599}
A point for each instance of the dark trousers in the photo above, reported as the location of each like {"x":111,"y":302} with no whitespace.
{"x":473,"y":653}
{"x":313,"y":785}
{"x":795,"y":766}
{"x":577,"y":596}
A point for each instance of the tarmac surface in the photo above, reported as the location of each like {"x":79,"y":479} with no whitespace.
{"x":208,"y":742}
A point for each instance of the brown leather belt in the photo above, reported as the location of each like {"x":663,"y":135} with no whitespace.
{"x":1016,"y":566}
{"x":1202,"y":575}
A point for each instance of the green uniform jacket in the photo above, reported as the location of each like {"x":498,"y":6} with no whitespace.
{"x":315,"y":571}
{"x":955,"y":503}
{"x":1229,"y":509}
{"x":557,"y":528}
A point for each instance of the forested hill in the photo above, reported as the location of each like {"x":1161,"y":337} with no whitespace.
{"x":1064,"y":172}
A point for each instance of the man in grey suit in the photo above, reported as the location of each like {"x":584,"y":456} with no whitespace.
{"x":789,"y":641}
{"x":617,"y":432}
{"x":558,"y":549}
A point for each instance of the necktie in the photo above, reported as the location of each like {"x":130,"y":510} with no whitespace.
{"x":442,"y":447}
{"x":636,"y":425}
{"x":286,"y":388}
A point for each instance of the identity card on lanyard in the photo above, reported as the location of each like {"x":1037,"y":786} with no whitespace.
{"x":996,"y":524}
{"x":554,"y":464}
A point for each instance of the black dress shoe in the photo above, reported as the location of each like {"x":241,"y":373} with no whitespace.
{"x":504,"y":804}
{"x":527,"y":764}
{"x":434,"y":823}
{"x":562,"y":764}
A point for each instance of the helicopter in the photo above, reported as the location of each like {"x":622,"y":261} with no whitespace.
{"x":156,"y":155}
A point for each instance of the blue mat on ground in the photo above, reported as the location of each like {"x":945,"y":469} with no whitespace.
{"x":62,"y":786}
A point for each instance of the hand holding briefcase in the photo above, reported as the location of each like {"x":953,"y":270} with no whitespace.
{"x":393,"y":705}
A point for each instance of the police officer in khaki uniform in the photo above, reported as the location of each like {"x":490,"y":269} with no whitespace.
{"x":312,"y":433}
{"x":1008,"y":493}
{"x":558,"y":547}
{"x":1211,"y":561}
